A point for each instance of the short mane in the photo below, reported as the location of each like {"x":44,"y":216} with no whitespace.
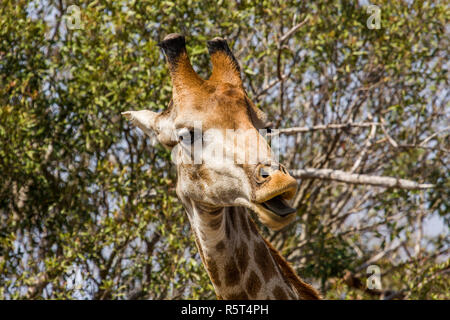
{"x":304,"y":290}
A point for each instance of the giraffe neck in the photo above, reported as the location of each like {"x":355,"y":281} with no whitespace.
{"x":240,"y":263}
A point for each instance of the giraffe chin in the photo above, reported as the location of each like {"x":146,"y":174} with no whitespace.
{"x":271,"y":219}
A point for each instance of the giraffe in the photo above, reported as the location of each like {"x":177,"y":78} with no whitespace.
{"x":218,"y":195}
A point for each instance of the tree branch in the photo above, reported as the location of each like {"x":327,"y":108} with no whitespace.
{"x":331,"y":126}
{"x":294,"y":29}
{"x":342,"y":176}
{"x":433,"y":135}
{"x":366,"y":147}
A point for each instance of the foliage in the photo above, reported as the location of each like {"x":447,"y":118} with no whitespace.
{"x":88,"y":206}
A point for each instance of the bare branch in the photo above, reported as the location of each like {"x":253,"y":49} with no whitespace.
{"x":346,"y":177}
{"x":366,"y":147}
{"x":389,"y":138}
{"x":337,"y":126}
{"x":269,"y":86}
{"x":432,"y":136}
{"x":292,"y":31}
{"x":331,"y":126}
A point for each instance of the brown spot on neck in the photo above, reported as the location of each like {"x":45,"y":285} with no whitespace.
{"x":253,"y":284}
{"x":242,"y":257}
{"x":211,"y":266}
{"x":264,"y":261}
{"x":232,"y":275}
{"x":279,"y":293}
{"x":220,"y":246}
{"x":238,"y":296}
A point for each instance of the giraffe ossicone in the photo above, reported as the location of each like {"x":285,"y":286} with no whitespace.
{"x":224,"y":170}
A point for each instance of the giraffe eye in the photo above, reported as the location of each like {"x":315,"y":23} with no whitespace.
{"x":264,"y":173}
{"x":188,"y":136}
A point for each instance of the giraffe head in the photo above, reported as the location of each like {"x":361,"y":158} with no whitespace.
{"x":213,"y":128}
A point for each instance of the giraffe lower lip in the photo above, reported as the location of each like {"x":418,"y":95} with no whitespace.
{"x":278,"y":206}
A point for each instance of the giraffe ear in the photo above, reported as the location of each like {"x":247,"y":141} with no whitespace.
{"x":143,"y":119}
{"x":152,"y":124}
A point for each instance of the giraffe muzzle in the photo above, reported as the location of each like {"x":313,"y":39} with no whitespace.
{"x":274,"y":190}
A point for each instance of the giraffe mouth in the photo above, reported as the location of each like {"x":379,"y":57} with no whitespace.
{"x":275,"y":212}
{"x":279,"y":206}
